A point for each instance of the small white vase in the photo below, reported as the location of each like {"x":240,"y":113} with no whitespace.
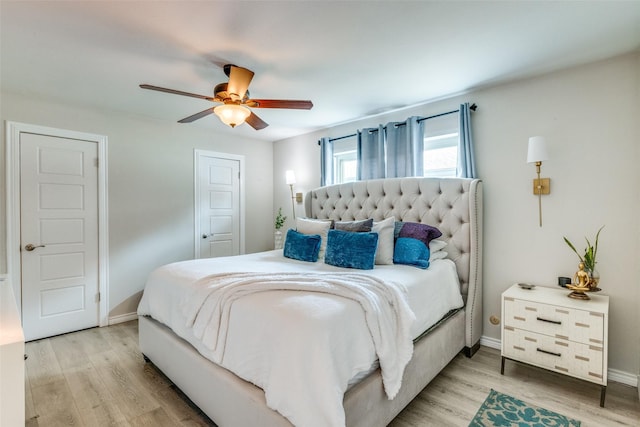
{"x":277,"y":239}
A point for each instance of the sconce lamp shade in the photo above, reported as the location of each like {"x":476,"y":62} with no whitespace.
{"x":290,"y":177}
{"x":232,"y":114}
{"x":537,"y":150}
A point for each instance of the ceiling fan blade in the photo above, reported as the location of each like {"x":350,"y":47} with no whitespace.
{"x":239,"y":79}
{"x":280,"y":103}
{"x":197,"y":116}
{"x":176,"y":92}
{"x":256,"y":122}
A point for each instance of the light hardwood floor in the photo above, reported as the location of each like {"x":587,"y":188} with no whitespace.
{"x":98,"y":377}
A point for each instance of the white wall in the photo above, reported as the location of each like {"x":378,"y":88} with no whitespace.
{"x":150,"y":188}
{"x":589,"y":116}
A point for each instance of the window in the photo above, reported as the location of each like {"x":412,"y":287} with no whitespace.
{"x":441,"y":146}
{"x":440,"y":152}
{"x":345,"y":163}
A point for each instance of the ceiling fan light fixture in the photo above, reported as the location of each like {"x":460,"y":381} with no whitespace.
{"x":232,"y":114}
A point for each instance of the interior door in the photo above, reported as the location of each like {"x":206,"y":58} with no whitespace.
{"x":58,"y":235}
{"x":219,"y":206}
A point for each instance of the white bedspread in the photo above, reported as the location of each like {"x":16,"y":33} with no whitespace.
{"x":301,"y":348}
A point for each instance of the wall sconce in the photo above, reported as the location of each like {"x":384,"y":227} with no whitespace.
{"x":537,"y":153}
{"x":290,"y":177}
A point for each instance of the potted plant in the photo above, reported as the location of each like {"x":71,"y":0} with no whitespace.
{"x":589,"y":258}
{"x":280,"y":219}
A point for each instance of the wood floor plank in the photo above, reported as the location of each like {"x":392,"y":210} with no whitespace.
{"x":105,"y":382}
{"x":41,"y":365}
{"x":69,"y":350}
{"x":93,"y":340}
{"x":105,"y":414}
{"x":87,"y":387}
{"x":156,"y":418}
{"x":29,"y":407}
{"x":180,"y":408}
{"x":132,"y":397}
{"x":55,"y":405}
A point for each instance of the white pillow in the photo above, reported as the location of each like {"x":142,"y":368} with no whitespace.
{"x":436,"y":245}
{"x":438,"y":255}
{"x":315,"y":226}
{"x":384,"y":228}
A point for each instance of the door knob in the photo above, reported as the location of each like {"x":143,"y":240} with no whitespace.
{"x":29,"y":247}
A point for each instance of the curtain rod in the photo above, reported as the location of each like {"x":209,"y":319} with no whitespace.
{"x":473,"y":107}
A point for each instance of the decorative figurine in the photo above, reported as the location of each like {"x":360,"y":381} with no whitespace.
{"x":580,"y":284}
{"x":581,"y":278}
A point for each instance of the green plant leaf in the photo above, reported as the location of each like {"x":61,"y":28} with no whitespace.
{"x":590,"y":252}
{"x":595,"y":250}
{"x":573,"y":247}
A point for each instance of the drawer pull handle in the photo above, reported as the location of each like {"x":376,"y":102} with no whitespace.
{"x":548,"y":352}
{"x":555,"y":322}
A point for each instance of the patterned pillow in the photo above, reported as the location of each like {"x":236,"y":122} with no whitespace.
{"x":351,"y":250}
{"x":303,"y":247}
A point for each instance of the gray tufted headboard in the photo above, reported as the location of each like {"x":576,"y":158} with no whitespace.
{"x":453,"y":205}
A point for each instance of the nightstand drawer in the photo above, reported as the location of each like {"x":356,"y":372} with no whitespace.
{"x":581,"y":326}
{"x":579,"y":360}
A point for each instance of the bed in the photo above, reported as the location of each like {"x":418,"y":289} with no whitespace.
{"x":452,"y":205}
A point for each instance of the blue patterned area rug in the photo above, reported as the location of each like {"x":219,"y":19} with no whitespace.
{"x":502,"y":410}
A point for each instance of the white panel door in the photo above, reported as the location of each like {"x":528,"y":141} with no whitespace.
{"x":219,"y":201}
{"x":59,"y":234}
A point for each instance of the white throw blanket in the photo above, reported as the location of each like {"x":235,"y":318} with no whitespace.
{"x":388,"y":316}
{"x":303,"y":349}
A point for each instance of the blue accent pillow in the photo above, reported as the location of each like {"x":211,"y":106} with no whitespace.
{"x":411,"y":251}
{"x":351,"y":249}
{"x":303,"y":247}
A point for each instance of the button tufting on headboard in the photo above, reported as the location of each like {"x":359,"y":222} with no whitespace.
{"x":443,"y":202}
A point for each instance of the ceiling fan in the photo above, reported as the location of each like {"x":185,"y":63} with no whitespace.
{"x":234,"y":96}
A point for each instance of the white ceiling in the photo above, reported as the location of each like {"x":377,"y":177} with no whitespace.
{"x":351,"y":58}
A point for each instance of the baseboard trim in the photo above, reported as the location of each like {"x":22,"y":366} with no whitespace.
{"x":621,"y":377}
{"x":491,"y":342}
{"x":121,"y":318}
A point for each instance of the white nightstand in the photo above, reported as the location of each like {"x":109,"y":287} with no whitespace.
{"x":545,"y":328}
